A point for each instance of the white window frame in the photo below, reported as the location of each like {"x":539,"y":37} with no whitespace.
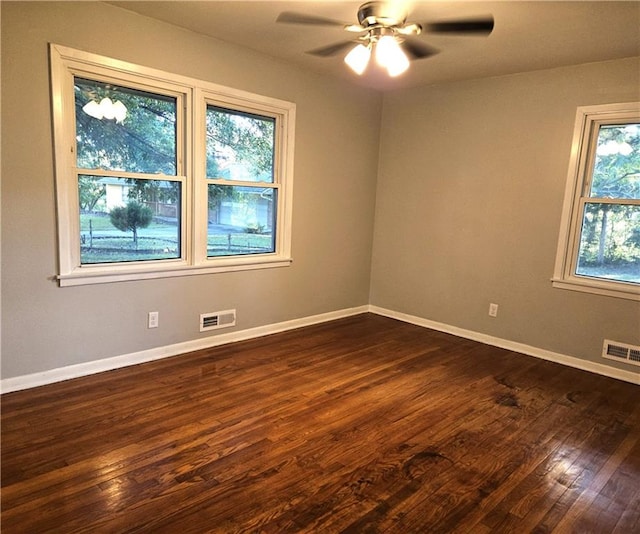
{"x":192,"y":96}
{"x":587,"y":123}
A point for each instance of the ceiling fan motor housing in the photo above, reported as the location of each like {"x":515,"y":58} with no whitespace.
{"x":382,"y":14}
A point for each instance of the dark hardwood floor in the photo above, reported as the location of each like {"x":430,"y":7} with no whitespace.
{"x":363,"y":424}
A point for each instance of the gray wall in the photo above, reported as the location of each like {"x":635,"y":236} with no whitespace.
{"x":470,"y":191}
{"x":470,"y":183}
{"x":337,"y":137}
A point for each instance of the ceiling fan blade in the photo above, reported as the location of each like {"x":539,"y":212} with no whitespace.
{"x":417,"y":49}
{"x":331,"y":50}
{"x":290,"y":17}
{"x":473,"y":26}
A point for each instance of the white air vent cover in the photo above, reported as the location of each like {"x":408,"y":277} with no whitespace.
{"x":622,"y":352}
{"x":219,"y":319}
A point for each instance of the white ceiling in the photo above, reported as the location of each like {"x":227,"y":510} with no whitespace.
{"x":528,"y":35}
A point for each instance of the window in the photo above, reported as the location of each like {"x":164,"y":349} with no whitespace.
{"x":129,"y":177}
{"x":599,"y":247}
{"x":241,"y":189}
{"x":162,"y":175}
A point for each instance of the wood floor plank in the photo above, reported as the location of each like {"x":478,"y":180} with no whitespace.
{"x":365,"y":424}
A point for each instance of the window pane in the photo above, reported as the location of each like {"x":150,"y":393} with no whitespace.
{"x":241,"y":220}
{"x":616,"y":172}
{"x":137,"y":134}
{"x":610,"y":242}
{"x":239,"y":145}
{"x":123,"y":219}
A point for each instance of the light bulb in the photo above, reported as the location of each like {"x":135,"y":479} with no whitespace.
{"x":358,"y":58}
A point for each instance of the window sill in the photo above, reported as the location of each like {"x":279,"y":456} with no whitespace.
{"x":97,"y":275}
{"x":610,"y":289}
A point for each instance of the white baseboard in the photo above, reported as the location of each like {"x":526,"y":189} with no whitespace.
{"x":570,"y":361}
{"x":107,"y":364}
{"x":17,"y":383}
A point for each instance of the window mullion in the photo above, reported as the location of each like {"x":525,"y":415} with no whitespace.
{"x":199,"y":184}
{"x":183,"y":167}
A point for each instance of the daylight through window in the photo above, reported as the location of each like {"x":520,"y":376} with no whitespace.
{"x":137,"y":217}
{"x":241,"y":190}
{"x":163,"y":175}
{"x":599,"y":249}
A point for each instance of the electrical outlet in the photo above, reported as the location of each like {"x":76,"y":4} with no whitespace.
{"x":493,"y":310}
{"x":153,"y":320}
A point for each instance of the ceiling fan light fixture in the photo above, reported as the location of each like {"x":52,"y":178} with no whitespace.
{"x":387,"y":35}
{"x":106,"y":109}
{"x":358,"y":58}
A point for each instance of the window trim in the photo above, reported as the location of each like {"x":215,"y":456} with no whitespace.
{"x":579,"y":176}
{"x":193,"y":94}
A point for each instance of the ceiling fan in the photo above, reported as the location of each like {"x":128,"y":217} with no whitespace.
{"x":383,"y":29}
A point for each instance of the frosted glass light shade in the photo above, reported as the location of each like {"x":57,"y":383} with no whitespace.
{"x":119,"y":111}
{"x":106,"y":105}
{"x":386,"y":50}
{"x":390,"y":56}
{"x":400,"y":64}
{"x":93,"y":109}
{"x":358,"y":58}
